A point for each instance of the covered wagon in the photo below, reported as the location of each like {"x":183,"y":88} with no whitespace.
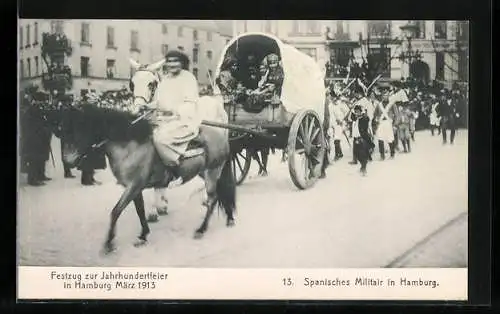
{"x":291,"y":118}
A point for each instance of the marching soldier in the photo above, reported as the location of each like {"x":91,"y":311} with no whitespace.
{"x":403,"y":117}
{"x":448,"y":113}
{"x":361,"y":137}
{"x":339,"y":111}
{"x":385,"y":114}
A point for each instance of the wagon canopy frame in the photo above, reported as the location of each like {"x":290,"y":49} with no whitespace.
{"x":303,"y":84}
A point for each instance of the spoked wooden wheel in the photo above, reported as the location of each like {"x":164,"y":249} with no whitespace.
{"x":240,"y":162}
{"x":306,"y":149}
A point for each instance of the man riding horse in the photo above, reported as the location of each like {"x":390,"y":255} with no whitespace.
{"x":175,"y":111}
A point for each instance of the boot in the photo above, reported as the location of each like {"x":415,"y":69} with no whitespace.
{"x":391,"y":148}
{"x":338,"y":150}
{"x":408,"y":146}
{"x":405,"y":149}
{"x":67,"y":172}
{"x":42,"y":175}
{"x":381,"y":149}
{"x":34,"y":178}
{"x":362,"y":170}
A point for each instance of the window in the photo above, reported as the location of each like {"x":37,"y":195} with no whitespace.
{"x":21,"y":38}
{"x":421,"y":30}
{"x":267,"y":27}
{"x":180,"y":48}
{"x":35,"y":35}
{"x":463,"y":30}
{"x":180,"y":31}
{"x":28,"y":33}
{"x":84,"y":66}
{"x":164,"y":49}
{"x":379,"y":28}
{"x":196,"y":51}
{"x":380,"y":59}
{"x":340,"y":27}
{"x":110,"y":68}
{"x":195,"y":72}
{"x":195,"y":35}
{"x":85,"y":33}
{"x":209,"y":54}
{"x":21,"y":69}
{"x":306,"y":27}
{"x":28,"y":66}
{"x":439,"y":65}
{"x":295,"y":27}
{"x":57,"y":27}
{"x":37,"y":66}
{"x":440,"y":29}
{"x":209,"y":36}
{"x":164,"y":29}
{"x":341,"y":56}
{"x":110,"y":38}
{"x":134,"y":40}
{"x":312,"y":27}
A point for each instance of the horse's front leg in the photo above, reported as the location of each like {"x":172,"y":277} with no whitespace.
{"x":211,"y":177}
{"x":160,"y":205}
{"x":139,"y":207}
{"x":128,"y":195}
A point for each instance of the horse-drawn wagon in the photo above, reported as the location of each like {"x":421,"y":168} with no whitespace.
{"x":291,"y":118}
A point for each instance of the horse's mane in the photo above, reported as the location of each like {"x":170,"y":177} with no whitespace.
{"x":112,"y":124}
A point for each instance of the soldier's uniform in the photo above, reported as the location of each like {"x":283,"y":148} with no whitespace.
{"x":448,"y":113}
{"x":361,"y":137}
{"x":339,"y":112}
{"x":385,"y":115}
{"x":403,"y":117}
{"x":36,"y":136}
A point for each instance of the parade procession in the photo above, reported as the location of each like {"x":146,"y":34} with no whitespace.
{"x":303,"y":169}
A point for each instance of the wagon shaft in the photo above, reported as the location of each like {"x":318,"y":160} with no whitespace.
{"x":239,"y":128}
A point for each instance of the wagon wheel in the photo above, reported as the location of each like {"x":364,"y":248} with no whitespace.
{"x":306,"y":149}
{"x":240,"y":162}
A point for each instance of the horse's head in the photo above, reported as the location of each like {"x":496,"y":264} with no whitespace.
{"x":144,"y":82}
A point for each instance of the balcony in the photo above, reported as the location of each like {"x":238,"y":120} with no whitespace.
{"x":56,"y":45}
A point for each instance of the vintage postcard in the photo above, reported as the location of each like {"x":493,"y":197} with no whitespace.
{"x":243,"y":159}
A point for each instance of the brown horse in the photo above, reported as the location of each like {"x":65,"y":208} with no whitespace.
{"x":136,"y":164}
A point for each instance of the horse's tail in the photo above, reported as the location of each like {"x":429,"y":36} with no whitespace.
{"x":226,"y":189}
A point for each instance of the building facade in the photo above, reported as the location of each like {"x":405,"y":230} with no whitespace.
{"x":442,"y":45}
{"x":101,"y":49}
{"x":306,"y":36}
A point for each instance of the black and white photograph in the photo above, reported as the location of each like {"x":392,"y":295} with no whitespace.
{"x":300,"y":143}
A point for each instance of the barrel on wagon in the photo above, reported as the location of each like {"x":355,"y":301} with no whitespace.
{"x":288,"y":116}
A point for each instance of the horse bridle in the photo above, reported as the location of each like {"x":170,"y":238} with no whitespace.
{"x":152,"y":88}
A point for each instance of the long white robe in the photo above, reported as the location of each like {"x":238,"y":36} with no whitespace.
{"x":177,"y":95}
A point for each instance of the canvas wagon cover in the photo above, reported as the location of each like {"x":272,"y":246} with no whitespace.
{"x":303,"y":85}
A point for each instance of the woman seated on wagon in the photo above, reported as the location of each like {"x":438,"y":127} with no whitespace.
{"x":271,"y":80}
{"x":230,"y":88}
